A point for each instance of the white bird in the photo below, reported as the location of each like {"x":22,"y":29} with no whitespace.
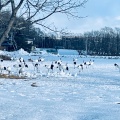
{"x":91,"y":62}
{"x":21,"y":71}
{"x":17,"y":65}
{"x":35,"y":64}
{"x":117,"y":66}
{"x":80,"y":67}
{"x":50,"y":67}
{"x":8,"y":69}
{"x":41,"y":59}
{"x":2,"y":68}
{"x":86,"y":63}
{"x":65,"y":67}
{"x":35,"y":61}
{"x":74,"y":62}
{"x":21,"y":59}
{"x":59,"y":61}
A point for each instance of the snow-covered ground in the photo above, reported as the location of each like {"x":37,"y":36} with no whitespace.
{"x":92,"y":94}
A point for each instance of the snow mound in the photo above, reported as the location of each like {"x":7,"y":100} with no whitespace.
{"x":44,"y":52}
{"x":22,"y":52}
{"x":2,"y":52}
{"x":67,"y":52}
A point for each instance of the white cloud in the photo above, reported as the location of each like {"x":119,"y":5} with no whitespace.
{"x":100,"y":15}
{"x":84,"y":25}
{"x":117,"y":18}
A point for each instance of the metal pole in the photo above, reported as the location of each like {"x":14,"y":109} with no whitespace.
{"x":86,"y":46}
{"x":0,"y":5}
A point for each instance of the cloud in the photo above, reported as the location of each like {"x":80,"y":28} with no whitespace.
{"x":93,"y":23}
{"x":100,"y":14}
{"x":85,"y":24}
{"x":117,"y":18}
{"x":98,"y":23}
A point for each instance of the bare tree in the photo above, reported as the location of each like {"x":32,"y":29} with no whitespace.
{"x":4,"y":3}
{"x":36,"y":11}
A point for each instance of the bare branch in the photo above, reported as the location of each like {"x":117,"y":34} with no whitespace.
{"x":45,"y":16}
{"x":48,"y":8}
{"x":12,"y":5}
{"x":19,"y":5}
{"x":36,"y":11}
{"x":62,"y":31}
{"x":4,"y":4}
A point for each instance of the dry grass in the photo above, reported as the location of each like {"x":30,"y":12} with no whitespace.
{"x":11,"y":76}
{"x":5,"y":57}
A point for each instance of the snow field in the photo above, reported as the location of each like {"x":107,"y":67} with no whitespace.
{"x":94,"y":94}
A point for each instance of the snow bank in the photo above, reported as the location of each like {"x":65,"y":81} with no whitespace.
{"x":37,"y":53}
{"x":16,"y":53}
{"x":2,"y":52}
{"x":21,"y":52}
{"x":44,"y":52}
{"x":67,"y":52}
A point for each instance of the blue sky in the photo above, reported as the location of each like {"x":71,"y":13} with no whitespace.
{"x":100,"y":13}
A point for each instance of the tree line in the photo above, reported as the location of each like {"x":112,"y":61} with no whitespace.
{"x":35,"y":12}
{"x":105,"y":41}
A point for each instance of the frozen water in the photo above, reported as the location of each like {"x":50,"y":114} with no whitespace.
{"x":93,"y":94}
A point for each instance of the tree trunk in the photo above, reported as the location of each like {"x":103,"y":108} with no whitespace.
{"x":7,"y":30}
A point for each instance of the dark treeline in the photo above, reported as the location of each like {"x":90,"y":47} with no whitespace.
{"x":103,"y":42}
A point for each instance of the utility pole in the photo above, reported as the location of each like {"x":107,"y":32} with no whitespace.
{"x":0,"y":6}
{"x":12,"y":41}
{"x":86,"y":47}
